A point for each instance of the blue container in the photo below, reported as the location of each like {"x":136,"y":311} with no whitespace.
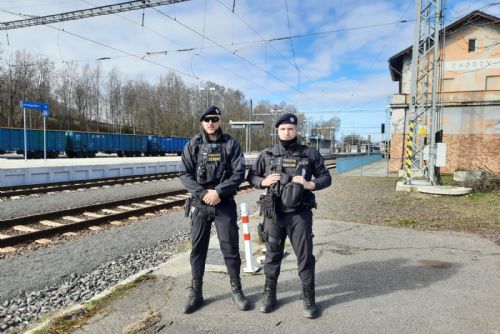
{"x":12,"y":140}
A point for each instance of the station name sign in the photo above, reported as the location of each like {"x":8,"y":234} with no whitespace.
{"x":471,"y":65}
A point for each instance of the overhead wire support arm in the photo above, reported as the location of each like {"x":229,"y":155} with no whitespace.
{"x":86,"y":13}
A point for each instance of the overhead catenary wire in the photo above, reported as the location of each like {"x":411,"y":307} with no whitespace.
{"x":84,"y":13}
{"x":141,"y":56}
{"x":268,"y":41}
{"x":165,"y":52}
{"x":120,"y":51}
{"x":374,"y":59}
{"x":291,"y":44}
{"x":237,"y":55}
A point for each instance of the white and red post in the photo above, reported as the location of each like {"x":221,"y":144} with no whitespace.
{"x":247,"y":240}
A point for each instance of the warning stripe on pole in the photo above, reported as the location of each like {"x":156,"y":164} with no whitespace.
{"x":409,"y":149}
{"x":247,"y":240}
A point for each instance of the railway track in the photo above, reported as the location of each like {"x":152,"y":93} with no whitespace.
{"x":41,"y":226}
{"x":35,"y":227}
{"x":26,"y":190}
{"x":82,"y":184}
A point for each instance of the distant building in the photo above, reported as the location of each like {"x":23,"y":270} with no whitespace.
{"x":470,"y":95}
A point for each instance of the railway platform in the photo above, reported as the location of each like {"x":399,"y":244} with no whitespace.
{"x":369,"y":279}
{"x":15,"y":172}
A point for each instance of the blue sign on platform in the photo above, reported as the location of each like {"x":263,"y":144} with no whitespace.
{"x":35,"y":105}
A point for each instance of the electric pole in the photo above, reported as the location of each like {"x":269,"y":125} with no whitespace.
{"x":421,"y":124}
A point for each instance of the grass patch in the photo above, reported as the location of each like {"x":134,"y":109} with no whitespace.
{"x":448,"y":180}
{"x":408,"y":222}
{"x":74,"y":321}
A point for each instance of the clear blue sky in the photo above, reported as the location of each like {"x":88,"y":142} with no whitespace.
{"x":335,"y":64}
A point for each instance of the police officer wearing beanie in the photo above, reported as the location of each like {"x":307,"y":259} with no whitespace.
{"x":213,"y":169}
{"x":286,"y":171}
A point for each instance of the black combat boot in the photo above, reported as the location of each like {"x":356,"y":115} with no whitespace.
{"x":195,"y":298}
{"x":269,"y":302}
{"x":310,"y":309}
{"x":238,"y":297}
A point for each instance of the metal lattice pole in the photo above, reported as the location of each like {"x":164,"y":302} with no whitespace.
{"x":85,"y":13}
{"x":424,"y":84}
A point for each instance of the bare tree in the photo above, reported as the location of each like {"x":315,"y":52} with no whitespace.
{"x":115,"y":99}
{"x":96,"y":95}
{"x":17,"y":83}
{"x":65,"y":93}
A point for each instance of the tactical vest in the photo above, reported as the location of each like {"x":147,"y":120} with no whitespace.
{"x":290,"y":164}
{"x":211,"y":161}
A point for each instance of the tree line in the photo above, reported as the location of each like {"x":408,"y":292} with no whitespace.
{"x":86,"y":98}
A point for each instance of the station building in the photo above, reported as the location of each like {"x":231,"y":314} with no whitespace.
{"x":469,"y":95}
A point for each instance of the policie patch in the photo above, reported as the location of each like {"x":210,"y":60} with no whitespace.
{"x":289,"y":163}
{"x":214,"y":157}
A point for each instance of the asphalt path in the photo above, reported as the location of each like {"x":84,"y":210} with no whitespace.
{"x":370,"y":279}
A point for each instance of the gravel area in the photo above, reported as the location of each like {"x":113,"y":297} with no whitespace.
{"x":49,"y":278}
{"x":45,"y":279}
{"x":373,"y":200}
{"x":37,"y":282}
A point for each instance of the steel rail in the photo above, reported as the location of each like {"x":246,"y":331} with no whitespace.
{"x":35,"y":219}
{"x":81,"y":184}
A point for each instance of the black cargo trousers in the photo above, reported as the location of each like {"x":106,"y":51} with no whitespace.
{"x":225,"y":219}
{"x":298,"y":227}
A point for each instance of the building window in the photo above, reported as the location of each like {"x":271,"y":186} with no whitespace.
{"x":472,"y":45}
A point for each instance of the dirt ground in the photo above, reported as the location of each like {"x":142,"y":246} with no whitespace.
{"x":374,"y":200}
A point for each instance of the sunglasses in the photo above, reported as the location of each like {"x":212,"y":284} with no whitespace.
{"x":210,"y":119}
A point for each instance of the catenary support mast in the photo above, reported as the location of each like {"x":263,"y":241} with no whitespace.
{"x":85,"y":13}
{"x":423,"y":105}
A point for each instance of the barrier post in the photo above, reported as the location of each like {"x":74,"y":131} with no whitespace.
{"x":250,"y":268}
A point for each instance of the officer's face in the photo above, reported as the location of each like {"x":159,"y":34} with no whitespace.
{"x":287,"y":131}
{"x":211,"y":124}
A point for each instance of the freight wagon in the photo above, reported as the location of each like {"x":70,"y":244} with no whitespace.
{"x":12,"y":140}
{"x":80,"y":144}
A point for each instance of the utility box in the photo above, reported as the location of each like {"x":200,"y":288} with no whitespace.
{"x":440,"y":155}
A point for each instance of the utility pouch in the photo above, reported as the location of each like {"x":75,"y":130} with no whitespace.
{"x":292,"y":195}
{"x":260,"y":231}
{"x":187,"y":206}
{"x":267,"y":204}
{"x":207,"y":210}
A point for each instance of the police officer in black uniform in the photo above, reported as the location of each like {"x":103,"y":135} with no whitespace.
{"x":286,"y":170}
{"x":213,"y":169}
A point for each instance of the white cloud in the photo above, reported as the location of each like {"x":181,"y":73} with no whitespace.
{"x":343,"y":69}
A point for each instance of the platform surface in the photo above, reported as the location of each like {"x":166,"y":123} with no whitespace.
{"x":15,"y":172}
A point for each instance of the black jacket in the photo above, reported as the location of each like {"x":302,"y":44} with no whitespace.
{"x":234,"y":173}
{"x":314,"y":168}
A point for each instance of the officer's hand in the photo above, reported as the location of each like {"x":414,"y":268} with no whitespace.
{"x":300,"y":180}
{"x":270,"y":179}
{"x":211,"y":197}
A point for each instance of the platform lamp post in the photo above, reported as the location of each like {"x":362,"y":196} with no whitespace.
{"x":208,"y":89}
